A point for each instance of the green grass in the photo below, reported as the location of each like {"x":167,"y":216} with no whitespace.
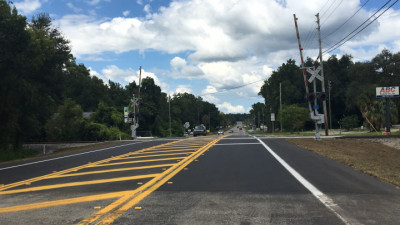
{"x":8,"y":154}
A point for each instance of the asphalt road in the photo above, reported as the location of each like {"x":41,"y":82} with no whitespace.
{"x":232,"y":179}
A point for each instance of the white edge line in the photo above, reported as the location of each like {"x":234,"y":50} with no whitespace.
{"x":62,"y":157}
{"x":326,"y":200}
{"x":238,"y":144}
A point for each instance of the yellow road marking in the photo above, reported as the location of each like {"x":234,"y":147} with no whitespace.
{"x":139,"y":161}
{"x":182,"y":150}
{"x":112,"y":170}
{"x":176,"y":147}
{"x":151,"y":186}
{"x":31,"y":180}
{"x":80,"y":183}
{"x":147,"y":156}
{"x":124,"y":196}
{"x":63,"y":202}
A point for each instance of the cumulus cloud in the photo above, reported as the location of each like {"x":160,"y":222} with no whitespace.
{"x":183,"y":89}
{"x":28,"y":6}
{"x":182,"y":70}
{"x":125,"y":76}
{"x":218,"y":30}
{"x":207,"y":94}
{"x":230,"y":43}
{"x":227,"y":107}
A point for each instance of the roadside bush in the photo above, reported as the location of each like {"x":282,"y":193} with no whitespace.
{"x":350,"y":122}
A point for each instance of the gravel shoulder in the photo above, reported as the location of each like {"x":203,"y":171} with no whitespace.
{"x":378,"y":157}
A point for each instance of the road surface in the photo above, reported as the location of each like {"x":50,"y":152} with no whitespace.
{"x":230,"y":179}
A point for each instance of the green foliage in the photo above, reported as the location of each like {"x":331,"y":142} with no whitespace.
{"x":350,"y":122}
{"x":293,"y":117}
{"x":67,"y":124}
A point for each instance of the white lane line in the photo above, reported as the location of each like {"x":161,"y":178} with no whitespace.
{"x":63,"y":157}
{"x":326,"y":200}
{"x":238,"y":144}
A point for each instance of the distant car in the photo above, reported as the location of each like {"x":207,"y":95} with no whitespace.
{"x":220,"y":132}
{"x":199,"y":130}
{"x":230,"y":131}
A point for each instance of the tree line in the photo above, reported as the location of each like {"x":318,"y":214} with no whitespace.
{"x":352,"y":92}
{"x":44,"y":92}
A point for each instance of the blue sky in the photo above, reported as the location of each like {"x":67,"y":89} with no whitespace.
{"x":208,"y":46}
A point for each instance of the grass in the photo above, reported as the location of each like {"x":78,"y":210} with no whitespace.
{"x":9,"y":155}
{"x":372,"y":158}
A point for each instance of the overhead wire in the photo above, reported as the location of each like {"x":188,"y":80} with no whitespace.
{"x":232,"y":88}
{"x":348,"y":19}
{"x":337,"y":6}
{"x":343,"y":40}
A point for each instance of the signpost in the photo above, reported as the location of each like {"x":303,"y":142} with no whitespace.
{"x":387,"y":93}
{"x":272,"y":120}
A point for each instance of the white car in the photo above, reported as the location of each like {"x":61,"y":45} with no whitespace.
{"x":220,"y":132}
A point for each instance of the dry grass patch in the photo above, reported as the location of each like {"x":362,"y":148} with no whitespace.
{"x":369,"y":157}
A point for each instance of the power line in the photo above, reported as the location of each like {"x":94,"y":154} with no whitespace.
{"x":322,"y":13}
{"x":341,"y":42}
{"x":340,"y":3}
{"x":346,"y":21}
{"x":228,"y":89}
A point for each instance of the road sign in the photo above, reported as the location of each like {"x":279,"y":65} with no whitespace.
{"x":186,"y":125}
{"x":272,"y":116}
{"x":314,"y":74}
{"x":387,"y":92}
{"x":126,"y":112}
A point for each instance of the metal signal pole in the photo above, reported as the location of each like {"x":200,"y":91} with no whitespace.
{"x":322,"y":75}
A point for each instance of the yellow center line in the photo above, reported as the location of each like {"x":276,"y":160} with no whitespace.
{"x":146,"y":189}
{"x":80,"y":183}
{"x":158,"y":155}
{"x":64,"y":202}
{"x":113,"y":170}
{"x":139,"y":161}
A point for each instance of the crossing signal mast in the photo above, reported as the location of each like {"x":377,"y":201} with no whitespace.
{"x":133,"y":116}
{"x":313,"y":97}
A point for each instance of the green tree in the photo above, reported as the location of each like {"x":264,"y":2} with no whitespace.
{"x":67,"y":124}
{"x":293,"y":117}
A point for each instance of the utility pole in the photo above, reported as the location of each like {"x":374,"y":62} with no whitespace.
{"x":322,"y":75}
{"x":280,"y":103}
{"x":169,"y":114}
{"x":330,"y":112}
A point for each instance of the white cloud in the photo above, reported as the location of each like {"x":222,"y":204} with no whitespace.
{"x":182,"y":70}
{"x":28,"y":6}
{"x":74,"y":8}
{"x":229,"y":43}
{"x":125,"y":76}
{"x":227,"y":107}
{"x":183,"y":89}
{"x":208,"y":94}
{"x":126,"y":12}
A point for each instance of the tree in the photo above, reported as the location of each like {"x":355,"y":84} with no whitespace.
{"x":67,"y":124}
{"x":293,"y":117}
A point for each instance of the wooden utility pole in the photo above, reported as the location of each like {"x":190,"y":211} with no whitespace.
{"x":322,"y":75}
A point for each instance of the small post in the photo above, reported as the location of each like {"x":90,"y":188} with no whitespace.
{"x":44,"y":149}
{"x":387,"y":116}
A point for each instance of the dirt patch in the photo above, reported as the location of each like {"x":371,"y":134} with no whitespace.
{"x":375,"y":157}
